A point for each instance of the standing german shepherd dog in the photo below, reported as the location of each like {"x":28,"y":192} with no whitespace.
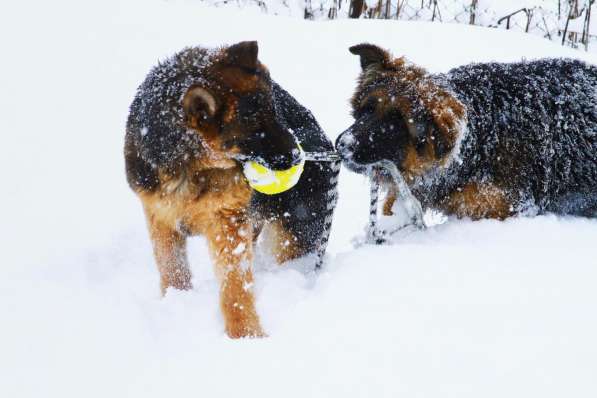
{"x":483,"y":140}
{"x":195,"y":119}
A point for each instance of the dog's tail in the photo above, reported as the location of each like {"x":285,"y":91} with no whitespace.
{"x":332,"y":199}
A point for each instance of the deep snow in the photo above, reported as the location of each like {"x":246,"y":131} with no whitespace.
{"x":488,"y":308}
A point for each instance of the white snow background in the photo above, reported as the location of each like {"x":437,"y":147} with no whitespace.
{"x":466,"y":309}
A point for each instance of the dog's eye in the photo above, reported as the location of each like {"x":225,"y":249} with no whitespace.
{"x":248,"y":107}
{"x":369,"y":106}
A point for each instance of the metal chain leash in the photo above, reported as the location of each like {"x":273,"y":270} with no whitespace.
{"x":331,"y":199}
{"x":324,"y":156}
{"x":374,"y":234}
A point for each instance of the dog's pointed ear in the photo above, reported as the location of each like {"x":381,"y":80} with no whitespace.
{"x":370,"y":55}
{"x":243,"y":54}
{"x":199,"y":103}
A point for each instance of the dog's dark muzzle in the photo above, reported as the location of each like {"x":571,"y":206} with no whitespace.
{"x":279,"y":153}
{"x":283,"y":161}
{"x":346,"y":145}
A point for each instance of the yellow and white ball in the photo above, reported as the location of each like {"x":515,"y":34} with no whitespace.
{"x":272,"y":182}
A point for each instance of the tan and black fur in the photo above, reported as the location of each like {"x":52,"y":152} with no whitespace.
{"x":195,"y":119}
{"x":483,"y":140}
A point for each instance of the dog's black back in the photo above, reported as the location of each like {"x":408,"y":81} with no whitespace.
{"x":532,"y":125}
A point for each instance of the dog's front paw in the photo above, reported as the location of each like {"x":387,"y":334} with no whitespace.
{"x":179,"y":281}
{"x":238,"y":328}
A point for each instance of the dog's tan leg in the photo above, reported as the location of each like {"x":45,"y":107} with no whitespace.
{"x":169,"y":248}
{"x":390,"y":199}
{"x":230,"y":239}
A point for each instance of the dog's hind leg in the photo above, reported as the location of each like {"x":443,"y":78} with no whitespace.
{"x":304,"y":224}
{"x":583,"y":204}
{"x":169,"y":248}
{"x":477,"y":201}
{"x":292,"y":239}
{"x":230,"y":239}
{"x":298,"y":234}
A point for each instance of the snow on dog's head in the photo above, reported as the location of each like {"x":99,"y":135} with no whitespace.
{"x":215,"y":105}
{"x":402,"y":114}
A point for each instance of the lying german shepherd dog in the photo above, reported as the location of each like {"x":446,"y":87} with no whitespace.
{"x":197,"y":121}
{"x":483,"y":140}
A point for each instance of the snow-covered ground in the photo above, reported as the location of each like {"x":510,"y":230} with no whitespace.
{"x":466,"y":309}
